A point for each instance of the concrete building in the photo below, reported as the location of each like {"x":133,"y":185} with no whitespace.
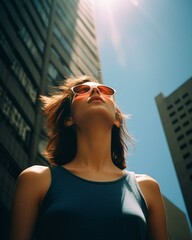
{"x":175,"y":112}
{"x":177,"y":224}
{"x":41,"y":43}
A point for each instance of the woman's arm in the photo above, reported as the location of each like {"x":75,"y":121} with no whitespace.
{"x":31,"y":187}
{"x":157,"y":227}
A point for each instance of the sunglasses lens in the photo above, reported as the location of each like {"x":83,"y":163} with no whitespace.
{"x":106,"y":90}
{"x":81,"y":89}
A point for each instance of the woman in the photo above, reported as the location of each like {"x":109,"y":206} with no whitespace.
{"x":87,"y":193}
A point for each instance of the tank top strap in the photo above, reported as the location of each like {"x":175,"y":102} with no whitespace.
{"x":133,"y":186}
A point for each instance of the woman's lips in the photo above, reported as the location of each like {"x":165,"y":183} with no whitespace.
{"x":95,"y":98}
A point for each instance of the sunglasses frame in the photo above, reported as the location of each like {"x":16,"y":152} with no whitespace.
{"x":91,"y":87}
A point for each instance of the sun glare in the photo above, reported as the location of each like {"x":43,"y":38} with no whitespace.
{"x":114,"y":3}
{"x":111,"y":15}
{"x":104,"y":3}
{"x":135,"y":2}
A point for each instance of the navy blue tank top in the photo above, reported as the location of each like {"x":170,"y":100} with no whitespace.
{"x":75,"y":208}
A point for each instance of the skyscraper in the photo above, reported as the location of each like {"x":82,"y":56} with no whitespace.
{"x":177,"y":223}
{"x":176,"y":116}
{"x":41,"y":43}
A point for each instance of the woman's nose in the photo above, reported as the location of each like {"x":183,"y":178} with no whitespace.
{"x":95,"y":90}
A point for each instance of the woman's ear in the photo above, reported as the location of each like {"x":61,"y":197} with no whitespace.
{"x":117,"y":123}
{"x":68,"y":122}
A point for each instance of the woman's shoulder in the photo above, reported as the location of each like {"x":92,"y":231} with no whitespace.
{"x":33,"y":172}
{"x":35,"y":169}
{"x":146,"y":180}
{"x":149,"y":187}
{"x":37,"y":176}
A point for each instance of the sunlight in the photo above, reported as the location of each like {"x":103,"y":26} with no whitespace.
{"x":108,"y":14}
{"x":106,"y":2}
{"x":111,"y":15}
{"x":114,"y":3}
{"x":135,"y":2}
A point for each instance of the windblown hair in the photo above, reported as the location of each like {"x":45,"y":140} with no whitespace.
{"x":62,"y":140}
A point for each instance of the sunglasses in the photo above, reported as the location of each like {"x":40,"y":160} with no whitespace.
{"x":84,"y":89}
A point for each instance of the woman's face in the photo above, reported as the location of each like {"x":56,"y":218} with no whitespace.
{"x":93,"y":106}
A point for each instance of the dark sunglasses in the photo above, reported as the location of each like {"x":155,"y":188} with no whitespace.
{"x":83,"y":89}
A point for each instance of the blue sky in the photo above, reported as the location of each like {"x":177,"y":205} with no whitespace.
{"x":145,"y":48}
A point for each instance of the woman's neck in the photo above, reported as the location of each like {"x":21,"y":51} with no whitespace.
{"x":94,"y":148}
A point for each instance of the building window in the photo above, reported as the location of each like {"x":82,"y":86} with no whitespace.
{"x":174,"y":121}
{"x":189,"y":165}
{"x":177,"y":101}
{"x":70,"y":12}
{"x":86,"y":41}
{"x":47,"y":7}
{"x":183,"y":146}
{"x":41,"y":11}
{"x":40,"y":43}
{"x":177,"y":129}
{"x":87,"y":25}
{"x":54,"y":51}
{"x":29,"y":43}
{"x":172,"y":114}
{"x":87,"y":62}
{"x":62,"y":39}
{"x":185,"y":123}
{"x":186,"y":155}
{"x":169,"y":107}
{"x":185,"y":95}
{"x":64,"y":18}
{"x":183,"y":115}
{"x":180,"y":108}
{"x":188,"y":102}
{"x":53,"y":73}
{"x":49,"y":2}
{"x":4,"y":44}
{"x":67,"y":70}
{"x":180,"y":137}
{"x":189,"y":132}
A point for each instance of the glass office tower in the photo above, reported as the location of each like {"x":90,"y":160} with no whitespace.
{"x":42,"y":42}
{"x":176,"y":116}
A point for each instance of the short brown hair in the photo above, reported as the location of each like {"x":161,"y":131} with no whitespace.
{"x":62,"y":140}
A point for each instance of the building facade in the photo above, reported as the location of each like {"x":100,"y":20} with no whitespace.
{"x":42,"y":42}
{"x":175,"y":112}
{"x":177,"y":224}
